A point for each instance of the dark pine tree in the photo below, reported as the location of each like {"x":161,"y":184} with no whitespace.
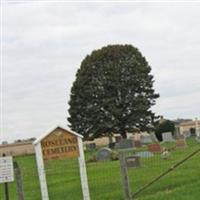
{"x":165,"y":126}
{"x":113,"y":93}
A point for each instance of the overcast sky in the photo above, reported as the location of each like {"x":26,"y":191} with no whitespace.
{"x":45,"y":42}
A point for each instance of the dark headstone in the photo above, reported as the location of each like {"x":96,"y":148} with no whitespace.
{"x":154,"y":147}
{"x":91,"y":146}
{"x":133,"y":161}
{"x":118,"y":139}
{"x":104,"y":154}
{"x":137,"y":144}
{"x":116,"y":145}
{"x":126,"y":144}
{"x":111,"y":145}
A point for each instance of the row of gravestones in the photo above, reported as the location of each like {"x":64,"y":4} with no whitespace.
{"x":134,"y":160}
{"x":138,"y":142}
{"x":105,"y":154}
{"x":143,"y":139}
{"x":124,"y":143}
{"x":156,"y":147}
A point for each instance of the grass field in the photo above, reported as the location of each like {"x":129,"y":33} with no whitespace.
{"x":105,"y":181}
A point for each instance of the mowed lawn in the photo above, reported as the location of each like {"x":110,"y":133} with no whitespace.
{"x":105,"y":180}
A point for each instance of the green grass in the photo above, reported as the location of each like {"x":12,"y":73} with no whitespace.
{"x":105,"y":181}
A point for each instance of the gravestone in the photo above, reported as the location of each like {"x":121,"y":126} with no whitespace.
{"x":91,"y":146}
{"x":180,"y":137}
{"x":181,"y":143}
{"x":154,"y":147}
{"x":116,"y":145}
{"x":197,"y":127}
{"x":133,"y":161}
{"x":177,"y":132}
{"x":137,"y":143}
{"x":146,"y":139}
{"x":125,"y":144}
{"x":198,"y":139}
{"x":111,"y":145}
{"x":187,"y":134}
{"x":104,"y":154}
{"x":167,"y":137}
{"x":144,"y":154}
{"x":137,"y":137}
{"x":118,"y":139}
{"x":153,"y":137}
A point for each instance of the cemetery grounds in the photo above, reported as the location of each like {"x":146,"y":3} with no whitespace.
{"x":105,"y":177}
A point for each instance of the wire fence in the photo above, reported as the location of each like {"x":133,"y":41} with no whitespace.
{"x":169,"y":172}
{"x":105,"y":179}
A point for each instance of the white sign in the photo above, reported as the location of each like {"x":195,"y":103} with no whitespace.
{"x":6,"y":169}
{"x":79,"y":152}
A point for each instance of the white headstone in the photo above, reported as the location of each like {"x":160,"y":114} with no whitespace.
{"x":186,"y":134}
{"x":153,"y":137}
{"x":137,"y":137}
{"x":197,"y":128}
{"x":145,"y":154}
{"x":167,"y":137}
{"x":146,"y":139}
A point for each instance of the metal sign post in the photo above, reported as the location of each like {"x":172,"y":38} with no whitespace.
{"x":6,"y":191}
{"x":19,"y":183}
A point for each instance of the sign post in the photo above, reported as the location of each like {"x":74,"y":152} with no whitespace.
{"x":60,"y":143}
{"x":83,"y":172}
{"x":19,"y":183}
{"x":41,"y":172}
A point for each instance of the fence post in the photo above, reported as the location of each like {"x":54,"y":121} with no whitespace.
{"x":83,"y":172}
{"x":18,"y":179}
{"x":41,"y":171}
{"x":124,"y":176}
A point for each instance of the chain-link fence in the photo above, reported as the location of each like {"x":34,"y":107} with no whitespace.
{"x":105,"y":178}
{"x":156,"y":175}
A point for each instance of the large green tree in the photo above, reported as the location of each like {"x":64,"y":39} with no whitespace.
{"x":113,"y":92}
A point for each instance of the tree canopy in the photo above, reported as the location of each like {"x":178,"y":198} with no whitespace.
{"x":165,"y":126}
{"x":113,"y":92}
